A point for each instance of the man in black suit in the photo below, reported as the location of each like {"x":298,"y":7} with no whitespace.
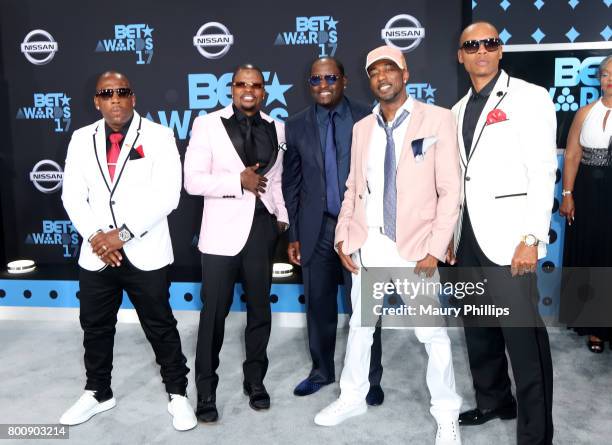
{"x":315,"y":169}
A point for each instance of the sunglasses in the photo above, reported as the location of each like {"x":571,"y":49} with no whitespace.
{"x":254,"y":85}
{"x":472,"y":46}
{"x":108,"y":93}
{"x":315,"y":80}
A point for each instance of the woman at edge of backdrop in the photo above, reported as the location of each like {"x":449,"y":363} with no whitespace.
{"x":587,"y":173}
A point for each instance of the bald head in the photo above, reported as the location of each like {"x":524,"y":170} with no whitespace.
{"x":112,"y":75}
{"x":478,"y":28}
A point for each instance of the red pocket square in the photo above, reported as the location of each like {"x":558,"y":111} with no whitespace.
{"x":496,"y":115}
{"x":140,"y":151}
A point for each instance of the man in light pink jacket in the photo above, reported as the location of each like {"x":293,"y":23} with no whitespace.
{"x":399,"y":211}
{"x":235,"y":160}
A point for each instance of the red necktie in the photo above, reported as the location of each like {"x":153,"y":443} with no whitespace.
{"x":113,"y":153}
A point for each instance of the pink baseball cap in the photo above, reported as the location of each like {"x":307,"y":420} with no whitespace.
{"x":386,"y":52}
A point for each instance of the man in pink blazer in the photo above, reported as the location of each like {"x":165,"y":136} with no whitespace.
{"x":234,"y":160}
{"x":399,"y":211}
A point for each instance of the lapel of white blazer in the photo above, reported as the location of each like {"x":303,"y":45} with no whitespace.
{"x":460,"y":117}
{"x":130,"y":140}
{"x":99,"y":147}
{"x":495,"y":98}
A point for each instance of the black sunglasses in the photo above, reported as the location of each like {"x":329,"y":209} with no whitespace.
{"x":315,"y":80}
{"x":254,"y":85}
{"x":472,"y":46}
{"x":108,"y":93}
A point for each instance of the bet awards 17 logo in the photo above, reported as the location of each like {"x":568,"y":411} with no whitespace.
{"x":49,"y":106}
{"x":207,"y":93}
{"x":56,"y":233}
{"x":39,"y":47}
{"x":576,"y":82}
{"x":318,"y":30}
{"x":134,"y":38}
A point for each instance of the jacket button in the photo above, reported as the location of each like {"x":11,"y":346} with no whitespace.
{"x":467,"y":178}
{"x":110,"y":226}
{"x":112,"y":203}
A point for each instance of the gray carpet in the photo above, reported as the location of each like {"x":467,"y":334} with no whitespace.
{"x":41,"y":366}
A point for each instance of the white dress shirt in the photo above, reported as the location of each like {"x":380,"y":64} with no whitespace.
{"x":376,"y":163}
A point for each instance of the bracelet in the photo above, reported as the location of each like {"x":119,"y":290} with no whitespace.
{"x":566,"y":192}
{"x":93,"y":234}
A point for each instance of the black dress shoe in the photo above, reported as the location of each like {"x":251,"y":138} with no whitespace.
{"x":206,"y":410}
{"x":258,"y":396}
{"x":375,"y":396}
{"x":596,"y":346}
{"x":480,"y":416}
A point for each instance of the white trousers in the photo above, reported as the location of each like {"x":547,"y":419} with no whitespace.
{"x":380,"y":251}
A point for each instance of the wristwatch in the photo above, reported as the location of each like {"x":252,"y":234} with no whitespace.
{"x":530,"y":240}
{"x":124,"y":234}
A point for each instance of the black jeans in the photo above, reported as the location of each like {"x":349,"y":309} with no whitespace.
{"x":101,"y":294}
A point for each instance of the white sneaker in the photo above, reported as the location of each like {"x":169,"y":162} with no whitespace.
{"x":85,"y":408}
{"x":183,"y":416}
{"x":339,"y":411}
{"x":448,"y":433}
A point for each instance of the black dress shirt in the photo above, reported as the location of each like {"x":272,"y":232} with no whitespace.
{"x":473,"y":109}
{"x":260,"y":148}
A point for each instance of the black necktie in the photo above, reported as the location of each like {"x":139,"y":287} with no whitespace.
{"x":249,"y":146}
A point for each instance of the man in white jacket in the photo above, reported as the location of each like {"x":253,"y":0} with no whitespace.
{"x":122,"y":179}
{"x":506,"y":132}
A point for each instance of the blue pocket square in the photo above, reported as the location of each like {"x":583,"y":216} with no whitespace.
{"x":421,"y":146}
{"x":417,"y":147}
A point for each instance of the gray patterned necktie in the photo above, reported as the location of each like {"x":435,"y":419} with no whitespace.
{"x":390,"y":187}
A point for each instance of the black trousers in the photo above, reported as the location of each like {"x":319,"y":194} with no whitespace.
{"x":100,"y":296}
{"x":320,"y":277}
{"x":528,"y":347}
{"x":253,"y":265}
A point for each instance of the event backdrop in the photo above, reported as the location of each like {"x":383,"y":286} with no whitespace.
{"x":179,"y":57}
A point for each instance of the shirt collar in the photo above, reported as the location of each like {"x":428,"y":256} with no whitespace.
{"x":241,"y":117}
{"x":342,"y":111}
{"x":488,"y":88}
{"x":123,"y":129}
{"x":407,"y":105}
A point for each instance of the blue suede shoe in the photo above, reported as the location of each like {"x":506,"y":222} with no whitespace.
{"x":307,"y":387}
{"x":375,"y":396}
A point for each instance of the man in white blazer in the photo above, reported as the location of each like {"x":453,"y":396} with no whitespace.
{"x":506,"y":134}
{"x":234,"y":160}
{"x":122,"y":179}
